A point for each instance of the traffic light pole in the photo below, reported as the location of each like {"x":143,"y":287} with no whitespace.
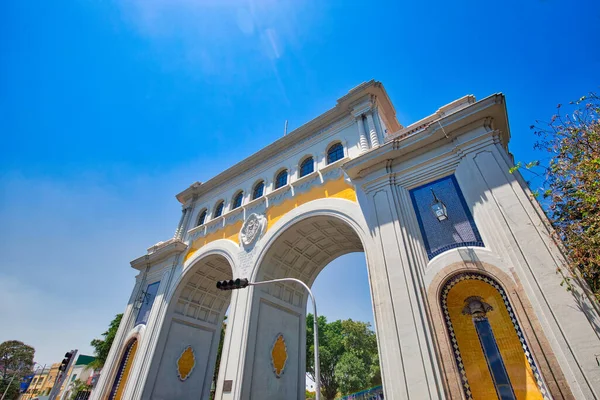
{"x":315,"y":327}
{"x":60,"y":379}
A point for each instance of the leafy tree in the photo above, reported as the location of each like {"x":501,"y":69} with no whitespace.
{"x":358,"y":368}
{"x":571,"y":183}
{"x":102,"y":346}
{"x":330,"y":351}
{"x":348,"y":356}
{"x":16,"y":359}
{"x":78,"y":386}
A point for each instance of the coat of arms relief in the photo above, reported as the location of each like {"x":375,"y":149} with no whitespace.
{"x":251,"y":230}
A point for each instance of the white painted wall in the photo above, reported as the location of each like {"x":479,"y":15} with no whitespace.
{"x":346,"y":133}
{"x":273,"y":320}
{"x":204,"y":341}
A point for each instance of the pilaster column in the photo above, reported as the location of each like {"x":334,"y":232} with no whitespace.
{"x":112,"y":361}
{"x":147,"y":346}
{"x":185,"y":226}
{"x":409,"y":369}
{"x":364,"y":143}
{"x":179,"y":231}
{"x":372,"y":130}
{"x":236,"y":339}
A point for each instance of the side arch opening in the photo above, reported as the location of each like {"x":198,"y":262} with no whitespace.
{"x":191,"y":332}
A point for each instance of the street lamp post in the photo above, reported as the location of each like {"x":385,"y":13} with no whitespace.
{"x":242,"y":283}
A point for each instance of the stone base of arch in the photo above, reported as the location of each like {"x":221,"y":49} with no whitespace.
{"x":530,"y":325}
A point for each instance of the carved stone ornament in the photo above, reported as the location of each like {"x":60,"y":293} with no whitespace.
{"x":476,"y":308}
{"x":252,"y":228}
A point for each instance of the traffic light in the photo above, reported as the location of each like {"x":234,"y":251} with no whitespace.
{"x":232,"y":284}
{"x":65,"y":362}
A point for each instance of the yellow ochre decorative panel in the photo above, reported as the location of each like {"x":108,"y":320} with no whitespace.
{"x":279,"y":355}
{"x":229,"y":232}
{"x":130,"y":355}
{"x":186,"y":363}
{"x":338,"y":188}
{"x":475,"y":365}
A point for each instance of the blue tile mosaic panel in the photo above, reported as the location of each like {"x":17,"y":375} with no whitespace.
{"x":144,"y":312}
{"x":457,"y":230}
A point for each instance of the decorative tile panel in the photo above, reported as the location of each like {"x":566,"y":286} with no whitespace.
{"x":456,"y":231}
{"x":123,"y":372}
{"x":147,"y":302}
{"x":521,"y":366}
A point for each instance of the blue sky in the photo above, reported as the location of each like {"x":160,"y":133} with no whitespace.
{"x":110,"y":108}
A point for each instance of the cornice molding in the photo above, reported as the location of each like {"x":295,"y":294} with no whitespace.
{"x":159,"y":252}
{"x":489,"y":113}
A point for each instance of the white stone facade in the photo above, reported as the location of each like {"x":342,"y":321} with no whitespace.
{"x":360,"y":202}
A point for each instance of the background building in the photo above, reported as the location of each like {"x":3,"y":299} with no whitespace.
{"x":42,"y":383}
{"x":80,"y":371}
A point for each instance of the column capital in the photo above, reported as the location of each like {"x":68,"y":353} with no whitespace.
{"x":363,"y":107}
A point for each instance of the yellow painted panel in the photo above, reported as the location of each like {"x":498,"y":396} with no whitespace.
{"x":476,"y":368}
{"x":229,"y":232}
{"x":126,"y":371}
{"x":279,"y":355}
{"x":338,"y":188}
{"x":186,"y":363}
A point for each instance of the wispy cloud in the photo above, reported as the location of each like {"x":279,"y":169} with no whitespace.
{"x":219,"y":39}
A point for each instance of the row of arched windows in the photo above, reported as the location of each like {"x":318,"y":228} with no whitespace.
{"x":334,"y":153}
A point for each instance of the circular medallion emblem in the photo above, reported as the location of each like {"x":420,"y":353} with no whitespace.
{"x":252,"y":229}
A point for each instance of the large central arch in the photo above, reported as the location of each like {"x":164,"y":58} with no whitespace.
{"x":300,"y":247}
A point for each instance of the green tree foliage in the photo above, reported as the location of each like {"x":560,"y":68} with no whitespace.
{"x":78,"y":386}
{"x":348,"y":356}
{"x":571,"y":183}
{"x":219,"y":352}
{"x":102,"y":346}
{"x":358,"y":368}
{"x":16,"y":359}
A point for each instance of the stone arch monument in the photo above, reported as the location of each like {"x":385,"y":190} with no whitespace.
{"x":462,"y":269}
